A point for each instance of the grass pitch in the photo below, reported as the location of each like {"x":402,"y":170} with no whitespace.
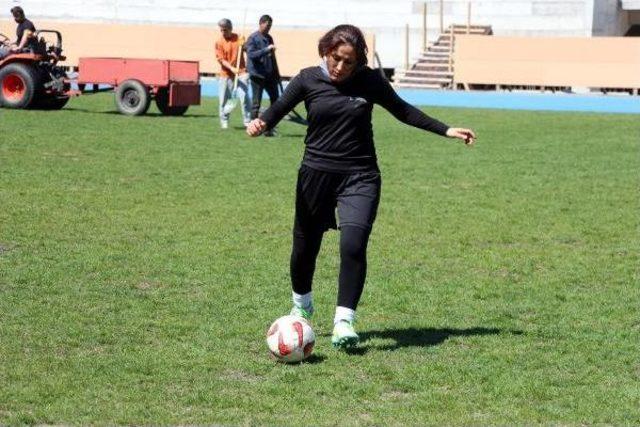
{"x":142,"y":259}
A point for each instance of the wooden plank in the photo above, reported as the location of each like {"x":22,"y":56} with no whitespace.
{"x":559,"y":61}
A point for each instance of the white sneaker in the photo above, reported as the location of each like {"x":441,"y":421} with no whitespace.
{"x":224,"y":125}
{"x":344,"y":335}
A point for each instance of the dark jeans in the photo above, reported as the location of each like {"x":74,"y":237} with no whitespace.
{"x":258,"y":84}
{"x":4,"y":51}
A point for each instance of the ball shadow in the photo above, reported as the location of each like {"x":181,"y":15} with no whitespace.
{"x":313,"y":359}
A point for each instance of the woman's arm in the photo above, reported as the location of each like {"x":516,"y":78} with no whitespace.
{"x":293,"y":94}
{"x":407,"y":113}
{"x":403,"y":111}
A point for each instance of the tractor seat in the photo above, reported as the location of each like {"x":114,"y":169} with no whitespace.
{"x":39,"y":47}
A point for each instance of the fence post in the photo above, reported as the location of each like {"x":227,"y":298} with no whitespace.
{"x":441,"y":16}
{"x":451,"y":49}
{"x":373,"y":50}
{"x":424,"y":26}
{"x":406,"y":47}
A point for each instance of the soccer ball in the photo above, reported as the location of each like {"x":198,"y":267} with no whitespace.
{"x":290,"y":339}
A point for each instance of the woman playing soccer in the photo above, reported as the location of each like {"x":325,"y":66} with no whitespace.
{"x":339,"y":168}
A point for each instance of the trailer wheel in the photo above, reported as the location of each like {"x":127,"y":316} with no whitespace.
{"x":132,"y":98}
{"x":18,"y":85}
{"x":162,"y":101}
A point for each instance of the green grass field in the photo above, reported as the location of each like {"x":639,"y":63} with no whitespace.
{"x":142,"y":259}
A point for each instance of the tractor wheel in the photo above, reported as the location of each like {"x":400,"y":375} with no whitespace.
{"x":19,"y":84}
{"x":162,"y":101}
{"x":50,"y":103}
{"x":132,"y":98}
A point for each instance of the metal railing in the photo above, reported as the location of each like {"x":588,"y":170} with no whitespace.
{"x":425,"y":29}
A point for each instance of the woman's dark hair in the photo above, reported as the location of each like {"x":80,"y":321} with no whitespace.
{"x":344,"y":34}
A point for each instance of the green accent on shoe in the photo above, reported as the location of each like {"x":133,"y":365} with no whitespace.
{"x":301,"y":312}
{"x":344,"y":336}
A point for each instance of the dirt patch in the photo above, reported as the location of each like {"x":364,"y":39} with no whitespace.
{"x":397,"y":395}
{"x":5,"y":247}
{"x":237,"y":375}
{"x":148,"y":285}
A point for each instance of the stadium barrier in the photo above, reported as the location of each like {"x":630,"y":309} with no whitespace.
{"x":296,"y":49}
{"x":594,"y":62}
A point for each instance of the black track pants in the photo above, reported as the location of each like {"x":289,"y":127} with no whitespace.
{"x":353,"y":263}
{"x":355,"y":197}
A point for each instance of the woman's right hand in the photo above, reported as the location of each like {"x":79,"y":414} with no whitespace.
{"x":467,"y":135}
{"x":256,"y":127}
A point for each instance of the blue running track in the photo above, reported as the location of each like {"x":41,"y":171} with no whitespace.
{"x":504,"y":100}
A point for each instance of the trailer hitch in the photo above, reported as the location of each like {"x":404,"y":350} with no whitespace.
{"x":56,"y":83}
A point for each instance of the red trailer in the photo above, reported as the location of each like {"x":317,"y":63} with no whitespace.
{"x":175,"y":85}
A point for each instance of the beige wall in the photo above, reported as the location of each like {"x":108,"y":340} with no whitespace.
{"x":612,"y":62}
{"x":296,"y":49}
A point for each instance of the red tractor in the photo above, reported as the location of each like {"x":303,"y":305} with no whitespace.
{"x":32,"y":79}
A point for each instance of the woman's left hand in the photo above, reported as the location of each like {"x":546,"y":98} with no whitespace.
{"x":256,"y":127}
{"x":467,"y":135}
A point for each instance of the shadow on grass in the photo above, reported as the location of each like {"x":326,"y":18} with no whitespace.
{"x":295,"y":135}
{"x":315,"y":358}
{"x":418,"y":337}
{"x":152,"y":114}
{"x":272,"y":138}
{"x":5,"y":248}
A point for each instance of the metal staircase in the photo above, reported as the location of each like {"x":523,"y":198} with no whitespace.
{"x":433,"y":69}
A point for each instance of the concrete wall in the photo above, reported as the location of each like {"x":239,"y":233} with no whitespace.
{"x":385,"y":18}
{"x":609,"y":18}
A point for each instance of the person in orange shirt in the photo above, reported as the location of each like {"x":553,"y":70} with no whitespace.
{"x":228,"y":47}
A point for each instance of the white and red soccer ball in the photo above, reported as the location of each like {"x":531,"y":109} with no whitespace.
{"x":290,"y":339}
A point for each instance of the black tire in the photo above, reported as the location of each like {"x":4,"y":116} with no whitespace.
{"x":162,"y":101}
{"x":19,"y":84}
{"x":50,"y":103}
{"x":132,"y":98}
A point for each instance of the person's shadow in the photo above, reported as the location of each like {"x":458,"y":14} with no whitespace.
{"x":417,"y":337}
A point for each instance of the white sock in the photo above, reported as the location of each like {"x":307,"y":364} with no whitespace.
{"x":344,"y":313}
{"x":303,"y":301}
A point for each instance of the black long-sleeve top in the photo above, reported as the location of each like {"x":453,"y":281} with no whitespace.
{"x":340,"y":135}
